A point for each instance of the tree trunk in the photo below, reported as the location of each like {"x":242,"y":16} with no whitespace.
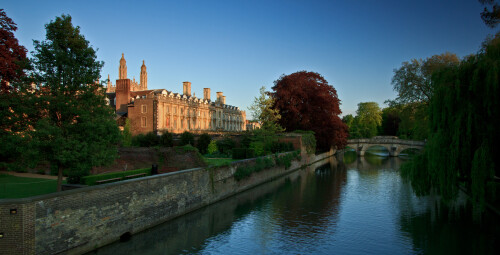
{"x":59,"y":177}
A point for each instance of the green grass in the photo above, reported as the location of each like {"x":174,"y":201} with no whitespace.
{"x":218,"y":161}
{"x":19,"y":187}
{"x":92,"y":179}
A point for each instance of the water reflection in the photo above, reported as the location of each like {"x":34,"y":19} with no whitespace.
{"x":359,"y":206}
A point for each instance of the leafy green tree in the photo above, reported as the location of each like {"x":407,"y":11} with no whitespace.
{"x":212,"y":147}
{"x":166,"y":139}
{"x":187,"y":138}
{"x":76,"y":130}
{"x":412,"y":81}
{"x":263,"y":111}
{"x":203,"y":142}
{"x":126,"y":134}
{"x":464,"y":116}
{"x":368,"y":119}
{"x":390,"y":121}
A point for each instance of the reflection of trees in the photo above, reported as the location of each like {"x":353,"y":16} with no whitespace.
{"x":316,"y":191}
{"x":372,"y":162}
{"x":436,"y":227}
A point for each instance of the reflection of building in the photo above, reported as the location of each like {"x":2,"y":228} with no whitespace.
{"x":159,"y":109}
{"x":252,"y":125}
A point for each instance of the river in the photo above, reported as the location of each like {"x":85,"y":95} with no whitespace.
{"x":360,"y":206}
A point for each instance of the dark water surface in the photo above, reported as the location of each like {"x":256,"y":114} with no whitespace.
{"x":358,"y":207}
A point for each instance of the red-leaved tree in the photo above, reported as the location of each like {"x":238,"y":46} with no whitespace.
{"x":306,"y":101}
{"x":12,"y":55}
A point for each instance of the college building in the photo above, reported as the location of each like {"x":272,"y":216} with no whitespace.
{"x":160,"y":110}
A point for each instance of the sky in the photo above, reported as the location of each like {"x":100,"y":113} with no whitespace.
{"x":239,"y":46}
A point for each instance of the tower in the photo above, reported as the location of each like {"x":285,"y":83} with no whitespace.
{"x":186,"y":88}
{"x":144,"y":77}
{"x":122,"y":70}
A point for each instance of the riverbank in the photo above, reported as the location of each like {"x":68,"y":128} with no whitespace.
{"x":81,"y":220}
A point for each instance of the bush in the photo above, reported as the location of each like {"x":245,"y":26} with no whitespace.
{"x":212,"y":147}
{"x":75,"y":176}
{"x":92,"y":179}
{"x":166,"y":139}
{"x":225,"y":146}
{"x":187,"y":138}
{"x":147,"y":140}
{"x":203,"y":143}
{"x":250,"y":153}
{"x":126,"y":135}
{"x":258,"y":148}
{"x":308,"y":140}
{"x":239,"y":153}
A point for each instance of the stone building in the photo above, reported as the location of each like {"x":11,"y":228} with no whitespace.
{"x":159,"y":110}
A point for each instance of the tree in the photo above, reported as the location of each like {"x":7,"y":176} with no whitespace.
{"x":490,"y":18}
{"x":263,"y":111}
{"x":187,"y":138}
{"x":76,"y":130}
{"x":15,"y":100}
{"x":203,"y":142}
{"x":412,"y":81}
{"x":306,"y":101}
{"x":368,"y":119}
{"x":464,"y":116}
{"x":12,"y":55}
{"x":126,"y":134}
{"x":390,"y":121}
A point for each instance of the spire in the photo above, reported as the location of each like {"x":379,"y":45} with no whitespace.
{"x":144,"y":77}
{"x":122,"y":70}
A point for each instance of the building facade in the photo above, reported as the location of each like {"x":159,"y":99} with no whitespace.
{"x":160,"y":110}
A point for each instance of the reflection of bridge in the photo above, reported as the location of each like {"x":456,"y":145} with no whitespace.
{"x":392,"y":144}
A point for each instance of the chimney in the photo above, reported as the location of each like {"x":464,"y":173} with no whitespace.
{"x":219,"y":96}
{"x":186,"y":88}
{"x":206,"y":93}
{"x":223,"y":99}
{"x":122,"y":95}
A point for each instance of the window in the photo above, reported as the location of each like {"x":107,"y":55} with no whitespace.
{"x":144,"y":122}
{"x":175,"y":110}
{"x":144,"y":108}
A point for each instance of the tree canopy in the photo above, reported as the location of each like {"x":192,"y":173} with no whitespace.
{"x":263,"y":111}
{"x":412,"y":81}
{"x":306,"y":101}
{"x":490,"y":17}
{"x":76,"y":129}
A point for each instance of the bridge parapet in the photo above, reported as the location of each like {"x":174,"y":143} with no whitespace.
{"x":392,"y":144}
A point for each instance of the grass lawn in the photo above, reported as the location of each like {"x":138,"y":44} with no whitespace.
{"x":218,"y":161}
{"x":18,"y":187}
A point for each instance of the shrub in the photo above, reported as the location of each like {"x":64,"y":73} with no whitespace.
{"x":203,"y":143}
{"x":226,"y":145}
{"x":258,"y":148}
{"x":212,"y":147}
{"x":308,"y":140}
{"x":187,"y":138}
{"x":147,"y":140}
{"x":250,"y":153}
{"x":126,"y":135}
{"x":76,"y":175}
{"x":166,"y":139}
{"x":239,"y":153}
{"x":92,"y":179}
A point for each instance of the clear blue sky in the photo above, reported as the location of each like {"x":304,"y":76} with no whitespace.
{"x":238,"y":46}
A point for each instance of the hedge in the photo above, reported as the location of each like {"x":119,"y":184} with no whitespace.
{"x":92,"y":179}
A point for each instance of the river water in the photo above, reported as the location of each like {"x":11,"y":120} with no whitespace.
{"x":360,"y":206}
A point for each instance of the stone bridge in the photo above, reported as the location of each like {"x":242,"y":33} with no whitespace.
{"x":394,"y":145}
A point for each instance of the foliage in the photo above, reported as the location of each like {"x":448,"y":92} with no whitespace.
{"x":187,"y":138}
{"x":243,"y":153}
{"x":412,"y":81}
{"x":218,"y":161}
{"x":490,"y":18}
{"x":75,"y":129}
{"x":203,"y":141}
{"x":146,"y":140}
{"x":308,"y":140}
{"x":225,"y":145}
{"x":368,"y":119}
{"x":212,"y":147}
{"x":166,"y":139}
{"x":13,"y":56}
{"x":126,"y":134}
{"x":92,"y":179}
{"x":464,"y":117}
{"x":306,"y":101}
{"x":390,"y":121}
{"x":258,"y":148}
{"x":267,"y":162}
{"x":263,"y":111}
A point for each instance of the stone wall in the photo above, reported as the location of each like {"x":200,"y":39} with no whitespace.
{"x":77,"y":221}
